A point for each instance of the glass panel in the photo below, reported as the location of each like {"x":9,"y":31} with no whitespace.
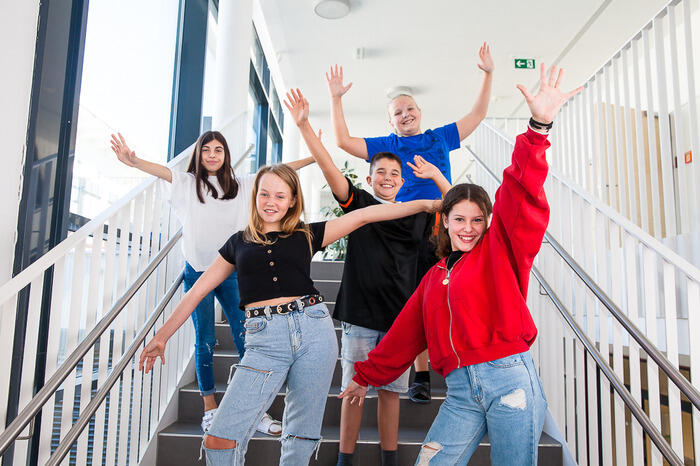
{"x":127,"y":87}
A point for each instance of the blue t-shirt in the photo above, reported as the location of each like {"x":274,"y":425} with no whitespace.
{"x":433,"y":145}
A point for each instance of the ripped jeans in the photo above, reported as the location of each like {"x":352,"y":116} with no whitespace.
{"x":299,"y":348}
{"x":204,"y":329}
{"x":503,"y":397}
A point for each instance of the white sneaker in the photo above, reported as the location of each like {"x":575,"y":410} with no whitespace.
{"x":269,"y":426}
{"x":207,"y":419}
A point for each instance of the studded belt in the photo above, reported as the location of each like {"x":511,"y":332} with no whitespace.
{"x":284,"y":308}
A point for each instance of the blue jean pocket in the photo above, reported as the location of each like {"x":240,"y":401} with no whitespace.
{"x":254,"y":325}
{"x":319,"y":311}
{"x":508,"y":361}
{"x":346,"y":328}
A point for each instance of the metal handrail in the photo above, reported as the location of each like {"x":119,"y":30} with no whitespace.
{"x":669,"y":369}
{"x":39,"y":400}
{"x":617,"y":384}
{"x":84,"y":418}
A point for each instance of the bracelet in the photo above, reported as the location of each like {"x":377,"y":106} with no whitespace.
{"x":540,"y":126}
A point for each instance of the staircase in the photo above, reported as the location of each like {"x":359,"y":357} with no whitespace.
{"x":179,"y":443}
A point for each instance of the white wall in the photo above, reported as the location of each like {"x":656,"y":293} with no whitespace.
{"x":18,"y":27}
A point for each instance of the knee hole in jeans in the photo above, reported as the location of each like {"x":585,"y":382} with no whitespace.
{"x":218,"y":443}
{"x":427,"y":452}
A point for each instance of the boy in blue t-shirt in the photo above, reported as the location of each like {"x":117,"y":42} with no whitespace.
{"x":408,"y":139}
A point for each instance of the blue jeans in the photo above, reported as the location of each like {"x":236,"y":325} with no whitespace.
{"x":503,"y":397}
{"x":300,"y":348}
{"x":203,"y":319}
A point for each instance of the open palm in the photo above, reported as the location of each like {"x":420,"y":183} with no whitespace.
{"x":124,"y":154}
{"x":297,"y":105}
{"x":549,"y":99}
{"x":335,"y":82}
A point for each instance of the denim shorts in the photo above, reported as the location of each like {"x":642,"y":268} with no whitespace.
{"x":356,"y":343}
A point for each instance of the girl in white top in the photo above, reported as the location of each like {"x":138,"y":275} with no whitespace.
{"x":212,"y":203}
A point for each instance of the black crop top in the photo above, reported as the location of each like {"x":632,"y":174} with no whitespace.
{"x":282,"y":268}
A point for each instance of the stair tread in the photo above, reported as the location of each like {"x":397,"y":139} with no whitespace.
{"x":407,"y":436}
{"x":220,"y":387}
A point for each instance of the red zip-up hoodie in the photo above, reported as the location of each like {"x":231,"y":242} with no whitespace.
{"x":475,"y":312}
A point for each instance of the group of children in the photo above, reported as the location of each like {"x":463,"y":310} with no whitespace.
{"x":468,"y":312}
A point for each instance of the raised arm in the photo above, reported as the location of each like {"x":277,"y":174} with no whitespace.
{"x":520,"y":209}
{"x":471,"y":120}
{"x":351,"y":145}
{"x":299,"y":108}
{"x":426,"y":170}
{"x":217,"y":272}
{"x":341,"y":226}
{"x":128,"y":157}
{"x":301,"y":163}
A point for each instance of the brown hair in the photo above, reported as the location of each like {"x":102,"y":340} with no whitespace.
{"x":225,"y":175}
{"x":291,"y":221}
{"x":460,"y":192}
{"x":385,"y":155}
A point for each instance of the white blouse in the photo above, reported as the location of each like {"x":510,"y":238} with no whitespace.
{"x":206,"y":227}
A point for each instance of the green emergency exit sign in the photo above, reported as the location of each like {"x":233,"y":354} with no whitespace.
{"x":524,"y":63}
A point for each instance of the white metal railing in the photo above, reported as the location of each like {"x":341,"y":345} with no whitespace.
{"x":625,"y":137}
{"x":91,"y":270}
{"x":655,"y":288}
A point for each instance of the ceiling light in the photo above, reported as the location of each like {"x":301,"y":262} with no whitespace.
{"x":398,"y":90}
{"x":332,"y":9}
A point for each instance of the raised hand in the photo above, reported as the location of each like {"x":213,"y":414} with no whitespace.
{"x":124,"y":154}
{"x":335,"y":82}
{"x":485,"y":61}
{"x":422,"y":168}
{"x":546,"y":104}
{"x":298,"y":106}
{"x":354,"y":392}
{"x":154,"y":349}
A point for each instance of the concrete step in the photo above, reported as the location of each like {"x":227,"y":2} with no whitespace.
{"x":179,"y":444}
{"x":412,"y":415}
{"x":327,"y":270}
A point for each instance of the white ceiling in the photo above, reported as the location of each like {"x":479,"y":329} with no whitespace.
{"x":432,"y":46}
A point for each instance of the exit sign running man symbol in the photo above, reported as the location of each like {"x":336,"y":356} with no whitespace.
{"x":525,"y":63}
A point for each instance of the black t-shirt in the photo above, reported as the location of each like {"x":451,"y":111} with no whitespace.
{"x":282,"y":268}
{"x":381,"y":266}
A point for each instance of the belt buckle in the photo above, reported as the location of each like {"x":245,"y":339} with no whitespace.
{"x":279,"y":310}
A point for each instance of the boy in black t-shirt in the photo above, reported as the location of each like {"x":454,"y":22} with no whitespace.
{"x":380,"y":274}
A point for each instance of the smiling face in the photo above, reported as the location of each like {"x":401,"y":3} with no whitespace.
{"x":404,"y":116}
{"x":273,"y":200}
{"x":465,"y":224}
{"x":385,"y":178}
{"x":212,"y":156}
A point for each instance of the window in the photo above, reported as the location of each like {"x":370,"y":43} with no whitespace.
{"x":126,"y":87}
{"x":265,"y":117}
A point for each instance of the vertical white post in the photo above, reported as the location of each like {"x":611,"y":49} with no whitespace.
{"x":693,"y":112}
{"x":646,"y":222}
{"x":664,"y":130}
{"x":651,"y":138}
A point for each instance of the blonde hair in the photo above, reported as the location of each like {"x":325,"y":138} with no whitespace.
{"x":291,"y":221}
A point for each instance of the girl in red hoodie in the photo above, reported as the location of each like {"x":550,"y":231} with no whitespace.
{"x":470,"y":311}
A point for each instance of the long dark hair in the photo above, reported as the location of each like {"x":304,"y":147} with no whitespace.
{"x":458,"y":193}
{"x":225,"y":175}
